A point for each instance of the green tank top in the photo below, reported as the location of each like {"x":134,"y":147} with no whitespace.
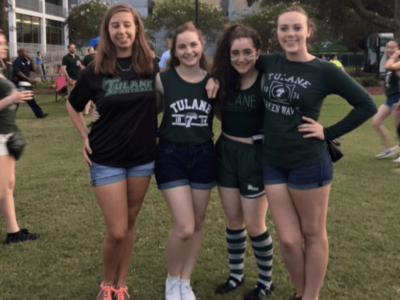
{"x":244,"y":115}
{"x":7,"y":114}
{"x":188,"y":113}
{"x":392,"y":84}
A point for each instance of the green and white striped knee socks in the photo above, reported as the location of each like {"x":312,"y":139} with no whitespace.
{"x":236,"y":243}
{"x":263,"y":251}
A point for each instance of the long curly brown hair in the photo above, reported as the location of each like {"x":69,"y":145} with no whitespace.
{"x":222,"y":69}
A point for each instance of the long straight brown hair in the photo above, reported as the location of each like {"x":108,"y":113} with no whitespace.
{"x":174,"y":61}
{"x":106,"y":57}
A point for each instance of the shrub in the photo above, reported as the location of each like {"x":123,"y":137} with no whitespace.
{"x":47,"y":84}
{"x":367,"y":81}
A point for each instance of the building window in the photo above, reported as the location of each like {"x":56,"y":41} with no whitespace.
{"x":28,"y":29}
{"x":55,"y":2}
{"x":54,"y":32}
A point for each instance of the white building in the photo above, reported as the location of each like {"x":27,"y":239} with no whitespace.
{"x":143,"y":7}
{"x":39,"y":25}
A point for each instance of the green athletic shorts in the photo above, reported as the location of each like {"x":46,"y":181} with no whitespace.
{"x":240,"y":166}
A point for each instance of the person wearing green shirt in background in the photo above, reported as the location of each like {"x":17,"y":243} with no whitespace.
{"x":10,"y":98}
{"x":71,"y":66}
{"x":297,"y":167}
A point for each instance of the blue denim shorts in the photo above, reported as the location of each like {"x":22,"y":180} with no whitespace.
{"x":302,"y":178}
{"x":392,"y":101}
{"x":180,"y":165}
{"x":102,"y":175}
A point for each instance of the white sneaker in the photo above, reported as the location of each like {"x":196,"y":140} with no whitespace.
{"x":388,"y":152}
{"x":396,"y":160}
{"x":186,"y":292}
{"x":172,"y":290}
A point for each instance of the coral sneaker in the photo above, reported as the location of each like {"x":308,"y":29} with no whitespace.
{"x":121,"y":293}
{"x":105,"y":292}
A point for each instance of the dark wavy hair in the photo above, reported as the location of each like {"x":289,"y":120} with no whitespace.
{"x":222,"y":69}
{"x":174,"y":61}
{"x":106,"y":56}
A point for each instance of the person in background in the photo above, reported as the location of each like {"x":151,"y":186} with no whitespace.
{"x":388,"y":108}
{"x":167,"y":54}
{"x":39,"y":64}
{"x":87,"y":59}
{"x":151,"y":46}
{"x":71,"y":66}
{"x":322,"y":57}
{"x":22,"y":66}
{"x":334,"y":60}
{"x":9,"y":99}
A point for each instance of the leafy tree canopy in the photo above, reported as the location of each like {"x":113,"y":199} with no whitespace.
{"x":84,"y":21}
{"x":172,"y":13}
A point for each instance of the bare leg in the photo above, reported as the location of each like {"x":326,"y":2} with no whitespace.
{"x":231,"y":203}
{"x":7,"y":182}
{"x":287,"y":223}
{"x":181,"y":207}
{"x":200,"y":202}
{"x":113,"y":202}
{"x":312,"y":206}
{"x":137,"y":187}
{"x":254,"y":211}
{"x":383,"y":133}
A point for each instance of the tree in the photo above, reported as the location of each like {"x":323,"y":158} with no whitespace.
{"x":84,"y":21}
{"x":172,"y":13}
{"x":265,"y":21}
{"x":384,"y":14}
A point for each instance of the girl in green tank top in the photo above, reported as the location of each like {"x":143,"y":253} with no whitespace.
{"x":185,"y":163}
{"x":9,"y":99}
{"x":239,"y":153}
{"x":390,"y":106}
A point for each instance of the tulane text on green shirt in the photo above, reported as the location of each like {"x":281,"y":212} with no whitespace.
{"x":188,"y":113}
{"x":295,"y":89}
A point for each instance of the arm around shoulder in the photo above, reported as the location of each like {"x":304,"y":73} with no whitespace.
{"x":160,"y":93}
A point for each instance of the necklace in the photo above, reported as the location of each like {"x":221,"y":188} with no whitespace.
{"x":125,"y":70}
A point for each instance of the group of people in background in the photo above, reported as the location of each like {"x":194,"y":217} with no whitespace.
{"x":272,"y":152}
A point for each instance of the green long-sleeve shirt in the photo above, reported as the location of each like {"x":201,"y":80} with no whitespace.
{"x":303,"y":86}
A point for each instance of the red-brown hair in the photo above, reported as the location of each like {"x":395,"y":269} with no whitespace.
{"x":299,"y":9}
{"x":174,"y":61}
{"x":106,"y":57}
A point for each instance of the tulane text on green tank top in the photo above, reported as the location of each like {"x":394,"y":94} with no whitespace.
{"x":242,"y":116}
{"x":188,"y":113}
{"x":115,"y":86}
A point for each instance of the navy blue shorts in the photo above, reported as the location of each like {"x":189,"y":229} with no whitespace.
{"x":302,"y":178}
{"x":180,"y":165}
{"x":391,"y":102}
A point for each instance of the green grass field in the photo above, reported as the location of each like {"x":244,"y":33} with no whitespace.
{"x":53,"y":197}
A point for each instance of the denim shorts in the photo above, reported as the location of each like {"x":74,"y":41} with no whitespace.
{"x":392,"y":101}
{"x":3,"y":141}
{"x":180,"y":165}
{"x":102,"y":175}
{"x":302,"y":178}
